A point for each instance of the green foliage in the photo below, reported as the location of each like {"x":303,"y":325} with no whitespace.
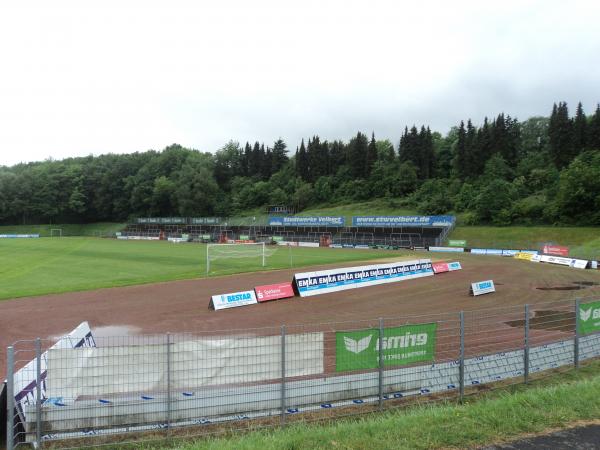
{"x":494,"y":201}
{"x":434,"y":173}
{"x":578,"y":197}
{"x":433,"y":197}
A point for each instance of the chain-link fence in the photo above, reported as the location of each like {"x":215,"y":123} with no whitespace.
{"x":117,"y":389}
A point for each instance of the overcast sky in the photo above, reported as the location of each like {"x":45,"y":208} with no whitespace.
{"x":125,"y":76}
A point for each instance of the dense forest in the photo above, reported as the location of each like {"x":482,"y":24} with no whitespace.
{"x":502,"y":171}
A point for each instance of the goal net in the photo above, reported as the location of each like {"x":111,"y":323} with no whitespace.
{"x":237,"y":255}
{"x":56,"y":232}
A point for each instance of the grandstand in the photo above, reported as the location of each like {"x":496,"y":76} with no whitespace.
{"x":393,"y":231}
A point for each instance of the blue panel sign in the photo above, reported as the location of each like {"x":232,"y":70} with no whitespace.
{"x":317,"y":221}
{"x":483,"y":287}
{"x":402,"y":221}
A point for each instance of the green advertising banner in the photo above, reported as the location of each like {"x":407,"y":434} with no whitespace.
{"x":206,"y":237}
{"x":356,"y":350}
{"x":244,"y":237}
{"x":457,"y":243}
{"x":278,"y":238}
{"x":589,"y":318}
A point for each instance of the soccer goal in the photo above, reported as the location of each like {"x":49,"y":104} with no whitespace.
{"x":249,"y":253}
{"x":56,"y":232}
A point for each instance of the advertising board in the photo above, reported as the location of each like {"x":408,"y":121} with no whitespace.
{"x":232,"y":300}
{"x":358,"y":350}
{"x":482,"y":287}
{"x":556,"y":250}
{"x":402,"y":221}
{"x":321,"y":282}
{"x":316,"y":221}
{"x":441,"y":267}
{"x":524,"y":256}
{"x":452,"y":266}
{"x":571,"y":262}
{"x":25,"y":378}
{"x":446,"y":249}
{"x":589,"y":318}
{"x":18,"y":236}
{"x":206,"y":220}
{"x":273,"y":291}
{"x":457,"y":243}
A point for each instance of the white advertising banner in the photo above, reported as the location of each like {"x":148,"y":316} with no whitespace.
{"x":224,"y":301}
{"x":194,"y":363}
{"x":334,"y":280}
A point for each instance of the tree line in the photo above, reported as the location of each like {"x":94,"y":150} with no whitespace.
{"x":541,"y":170}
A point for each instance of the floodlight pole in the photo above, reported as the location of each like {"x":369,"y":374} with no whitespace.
{"x":263,"y":254}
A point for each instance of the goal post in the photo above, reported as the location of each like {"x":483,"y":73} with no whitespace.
{"x":241,"y":250}
{"x":56,"y":232}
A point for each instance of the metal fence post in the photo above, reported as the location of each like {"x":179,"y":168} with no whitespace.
{"x":461,"y":367}
{"x":381,"y":363}
{"x":283,"y":375}
{"x":576,"y":341}
{"x":168,"y":381}
{"x":526,"y":349}
{"x":38,"y":391}
{"x":10,"y":398}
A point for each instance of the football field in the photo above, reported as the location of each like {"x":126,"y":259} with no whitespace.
{"x":53,"y":265}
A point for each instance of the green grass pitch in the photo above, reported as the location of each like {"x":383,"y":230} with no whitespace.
{"x":53,"y":265}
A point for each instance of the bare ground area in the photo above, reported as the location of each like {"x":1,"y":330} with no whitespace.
{"x":182,"y":306}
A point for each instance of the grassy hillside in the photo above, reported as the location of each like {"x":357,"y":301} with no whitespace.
{"x":53,"y":265}
{"x":584,"y":242}
{"x":90,"y":229}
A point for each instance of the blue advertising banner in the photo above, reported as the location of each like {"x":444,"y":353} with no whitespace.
{"x":16,"y":236}
{"x":316,"y":221}
{"x":334,"y":280}
{"x":402,"y":221}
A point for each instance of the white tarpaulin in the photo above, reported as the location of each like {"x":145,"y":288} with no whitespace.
{"x":111,"y":370}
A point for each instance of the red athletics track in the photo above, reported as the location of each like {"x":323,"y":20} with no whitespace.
{"x":181,"y":306}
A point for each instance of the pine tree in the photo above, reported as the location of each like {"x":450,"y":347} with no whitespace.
{"x":460,"y":153}
{"x":302,"y":162}
{"x":593,"y":138}
{"x":254,"y":165}
{"x":246,"y":159}
{"x":471,"y":152}
{"x":337,"y":156}
{"x":357,"y":150}
{"x":278,"y":155}
{"x":267,"y":164}
{"x":371,"y":156}
{"x":318,"y":158}
{"x":403,"y":150}
{"x":483,"y":147}
{"x":579,"y":130}
{"x":560,"y":133}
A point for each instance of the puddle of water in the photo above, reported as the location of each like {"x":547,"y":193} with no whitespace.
{"x":114,"y":331}
{"x":578,"y":285}
{"x":548,"y":320}
{"x":560,"y":288}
